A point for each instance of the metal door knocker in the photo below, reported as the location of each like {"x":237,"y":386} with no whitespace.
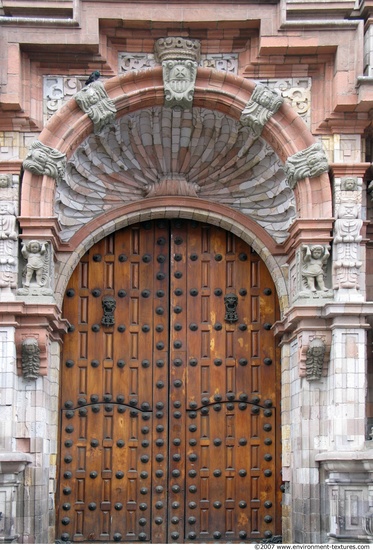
{"x":108,"y":305}
{"x":231,"y":301}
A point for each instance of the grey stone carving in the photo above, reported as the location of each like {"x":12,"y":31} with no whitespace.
{"x":8,"y":232}
{"x":94,"y":101}
{"x":37,"y":271}
{"x":347,"y":236}
{"x":179,"y":58}
{"x":44,"y":160}
{"x":30,"y":358}
{"x":262,"y":105}
{"x":172,"y":184}
{"x":315,"y":359}
{"x":315,"y":258}
{"x":309,"y":163}
{"x":231,"y":302}
{"x":296,"y":92}
{"x":108,"y":305}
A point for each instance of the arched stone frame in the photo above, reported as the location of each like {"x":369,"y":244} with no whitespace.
{"x":285,"y":132}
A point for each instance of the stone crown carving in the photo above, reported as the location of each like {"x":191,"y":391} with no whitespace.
{"x":175,"y":47}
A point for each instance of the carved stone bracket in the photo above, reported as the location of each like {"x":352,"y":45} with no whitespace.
{"x":179,"y":58}
{"x":309,"y":163}
{"x":262,"y":105}
{"x":314,"y":354}
{"x":94,"y":101}
{"x":45,"y":161}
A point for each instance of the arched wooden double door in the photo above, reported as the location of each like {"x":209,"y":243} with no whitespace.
{"x":170,"y":395}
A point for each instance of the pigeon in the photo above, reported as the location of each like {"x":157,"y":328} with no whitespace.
{"x":94,"y":76}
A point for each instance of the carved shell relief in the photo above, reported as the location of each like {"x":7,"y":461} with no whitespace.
{"x":159,"y":151}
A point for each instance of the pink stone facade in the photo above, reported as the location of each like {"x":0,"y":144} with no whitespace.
{"x":303,"y":184}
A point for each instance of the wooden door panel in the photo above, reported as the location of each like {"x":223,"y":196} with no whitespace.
{"x":168,"y":411}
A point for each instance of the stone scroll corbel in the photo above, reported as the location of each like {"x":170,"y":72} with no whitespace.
{"x":45,"y":161}
{"x":179,"y":58}
{"x":309,"y":163}
{"x":95,"y":102}
{"x":262,"y":105}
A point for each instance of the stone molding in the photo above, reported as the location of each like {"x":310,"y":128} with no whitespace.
{"x":179,"y":57}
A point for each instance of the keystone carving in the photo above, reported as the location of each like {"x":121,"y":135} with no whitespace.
{"x":94,"y":101}
{"x":309,"y":163}
{"x":30,"y":358}
{"x":179,"y":58}
{"x":262,"y":105}
{"x":45,"y":161}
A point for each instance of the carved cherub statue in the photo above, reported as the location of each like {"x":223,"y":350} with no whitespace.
{"x":313,"y":270}
{"x":34,"y":253}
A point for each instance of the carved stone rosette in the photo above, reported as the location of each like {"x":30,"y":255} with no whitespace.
{"x":94,"y":101}
{"x":347,"y":238}
{"x":179,"y":58}
{"x":262,"y":105}
{"x":45,"y":161}
{"x":309,"y":163}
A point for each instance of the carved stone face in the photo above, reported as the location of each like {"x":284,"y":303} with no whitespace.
{"x":39,"y":156}
{"x":4,"y":181}
{"x":317,"y":252}
{"x":348,"y":211}
{"x":93,"y":97}
{"x":349,"y":184}
{"x":34,"y":247}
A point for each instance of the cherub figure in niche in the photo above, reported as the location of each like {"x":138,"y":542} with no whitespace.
{"x":34,"y":253}
{"x":314,"y":264}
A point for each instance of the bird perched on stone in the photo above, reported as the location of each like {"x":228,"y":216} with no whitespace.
{"x":94,"y":76}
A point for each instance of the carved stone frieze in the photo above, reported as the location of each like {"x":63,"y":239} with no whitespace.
{"x":8,"y":232}
{"x":129,"y":61}
{"x":179,"y":58}
{"x":37,"y":270}
{"x":95,"y":102}
{"x":44,"y":160}
{"x":262,"y":105}
{"x":309,"y":163}
{"x":57,"y":90}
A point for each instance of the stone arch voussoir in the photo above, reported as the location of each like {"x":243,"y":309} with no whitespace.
{"x":285,"y":132}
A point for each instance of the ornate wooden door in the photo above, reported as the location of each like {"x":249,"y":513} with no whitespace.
{"x":170,"y":390}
